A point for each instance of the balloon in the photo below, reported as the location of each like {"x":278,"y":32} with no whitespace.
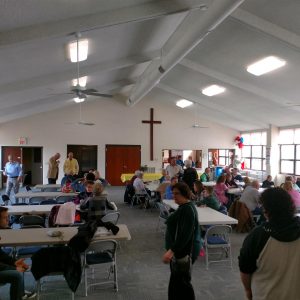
{"x":240,"y":145}
{"x":242,"y":140}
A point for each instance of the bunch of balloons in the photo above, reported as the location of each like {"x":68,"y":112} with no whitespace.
{"x":239,"y":141}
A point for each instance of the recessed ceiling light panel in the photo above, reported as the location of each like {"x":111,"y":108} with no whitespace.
{"x":83,"y":46}
{"x":82,"y":81}
{"x":78,"y":100}
{"x":183,"y":103}
{"x":266,"y":65}
{"x":213,"y":90}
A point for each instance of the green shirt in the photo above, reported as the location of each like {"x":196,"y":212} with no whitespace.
{"x":183,"y":231}
{"x":210,"y":201}
{"x":204,"y":177}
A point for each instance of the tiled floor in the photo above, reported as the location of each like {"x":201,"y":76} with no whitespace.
{"x":141,"y":273}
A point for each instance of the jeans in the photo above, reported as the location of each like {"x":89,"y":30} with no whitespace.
{"x":180,"y":286}
{"x":15,"y":279}
{"x":12,"y":183}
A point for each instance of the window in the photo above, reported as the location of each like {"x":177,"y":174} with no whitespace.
{"x":289,"y":140}
{"x":225,"y":157}
{"x":254,"y":150}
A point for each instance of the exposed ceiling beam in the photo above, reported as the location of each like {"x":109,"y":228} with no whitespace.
{"x":145,"y":11}
{"x":229,"y":112}
{"x":70,"y":74}
{"x":233,"y":81}
{"x":267,"y":27}
{"x":192,"y":30}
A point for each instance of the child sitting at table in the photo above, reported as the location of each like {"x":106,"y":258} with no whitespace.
{"x":209,"y":199}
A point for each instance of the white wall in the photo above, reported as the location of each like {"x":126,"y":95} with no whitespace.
{"x":116,"y":124}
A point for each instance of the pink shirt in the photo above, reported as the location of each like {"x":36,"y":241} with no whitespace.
{"x":296,"y":197}
{"x":220,"y":189}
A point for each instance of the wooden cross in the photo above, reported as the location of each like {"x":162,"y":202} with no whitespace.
{"x":151,"y":122}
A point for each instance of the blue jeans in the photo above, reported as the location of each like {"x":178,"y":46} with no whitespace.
{"x":15,"y":279}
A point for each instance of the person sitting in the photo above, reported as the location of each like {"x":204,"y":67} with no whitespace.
{"x":229,"y":182}
{"x":198,"y":190}
{"x":79,"y":184}
{"x":138,"y":183}
{"x":220,"y":190}
{"x":209,"y":199}
{"x":247,"y":181}
{"x":179,"y":161}
{"x":268,"y":183}
{"x":190,"y":175}
{"x":293,"y":180}
{"x":250,"y":197}
{"x":236,"y":175}
{"x":102,"y":203}
{"x":205,"y":176}
{"x":169,"y":194}
{"x":163,"y":177}
{"x":288,"y":186}
{"x":11,"y":269}
{"x":67,"y":187}
{"x":89,"y":185}
{"x":98,"y":177}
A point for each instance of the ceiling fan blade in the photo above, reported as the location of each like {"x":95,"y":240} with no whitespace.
{"x":86,"y":123}
{"x":198,"y":126}
{"x":57,"y":94}
{"x":99,"y":95}
{"x":87,"y":91}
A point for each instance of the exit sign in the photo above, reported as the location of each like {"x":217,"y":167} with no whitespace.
{"x":22,"y":141}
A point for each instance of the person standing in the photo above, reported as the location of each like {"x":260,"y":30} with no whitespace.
{"x":53,"y":168}
{"x":71,"y":167}
{"x":270,"y":258}
{"x":13,"y":171}
{"x":182,"y":243}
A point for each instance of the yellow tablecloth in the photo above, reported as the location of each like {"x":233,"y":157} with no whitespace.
{"x":147,"y":176}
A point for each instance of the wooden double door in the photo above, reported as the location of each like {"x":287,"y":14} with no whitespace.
{"x":120,"y":159}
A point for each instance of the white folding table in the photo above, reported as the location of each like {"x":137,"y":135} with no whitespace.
{"x":42,"y":187}
{"x":39,"y":236}
{"x":206,"y":215}
{"x":30,"y":209}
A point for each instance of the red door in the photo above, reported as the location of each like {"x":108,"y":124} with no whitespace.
{"x":121,"y":159}
{"x":16,"y":152}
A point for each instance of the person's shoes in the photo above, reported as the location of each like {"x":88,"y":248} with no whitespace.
{"x":29,"y":295}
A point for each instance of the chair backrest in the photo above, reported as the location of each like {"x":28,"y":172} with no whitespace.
{"x":35,"y":200}
{"x":163,"y":211}
{"x":112,"y":217}
{"x":48,"y":201}
{"x":28,"y":188}
{"x":50,"y":189}
{"x":66,"y":214}
{"x":103,"y":246}
{"x":97,"y":207}
{"x":221,"y":231}
{"x":64,"y":199}
{"x":31,"y":220}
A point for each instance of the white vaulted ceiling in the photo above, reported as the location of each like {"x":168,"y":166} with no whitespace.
{"x":126,"y":36}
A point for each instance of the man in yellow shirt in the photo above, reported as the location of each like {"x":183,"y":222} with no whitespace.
{"x":71,"y":166}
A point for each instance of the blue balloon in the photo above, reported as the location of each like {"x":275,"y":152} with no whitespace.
{"x":242,"y":140}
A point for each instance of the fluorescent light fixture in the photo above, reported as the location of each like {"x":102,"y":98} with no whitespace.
{"x":79,"y":100}
{"x":213,"y":90}
{"x":82,"y":81}
{"x":266,"y":65}
{"x":83,"y":46}
{"x":183,"y":103}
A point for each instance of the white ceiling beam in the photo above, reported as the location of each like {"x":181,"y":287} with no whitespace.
{"x":229,"y":112}
{"x":145,"y":11}
{"x":233,"y":81}
{"x":192,"y":30}
{"x":267,"y":27}
{"x":49,"y":79}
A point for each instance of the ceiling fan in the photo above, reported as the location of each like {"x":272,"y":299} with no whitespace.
{"x":80,"y":92}
{"x":81,"y":121}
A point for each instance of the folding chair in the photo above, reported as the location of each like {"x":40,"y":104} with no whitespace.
{"x":48,"y":201}
{"x":98,"y":253}
{"x":5,"y":199}
{"x":64,"y":199}
{"x":35,"y":200}
{"x":217,"y":237}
